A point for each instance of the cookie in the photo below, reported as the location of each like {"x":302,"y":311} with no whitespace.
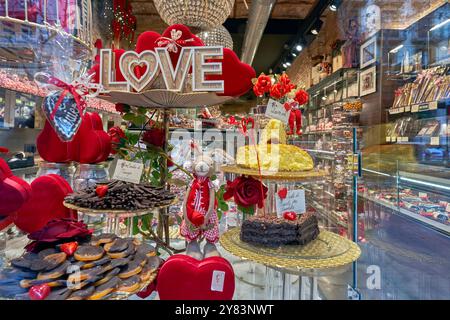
{"x":21,"y":263}
{"x":131,"y":269}
{"x":54,"y":260}
{"x":146,"y":249}
{"x":82,"y":293}
{"x":146,"y":273}
{"x":140,"y":258}
{"x":82,"y":275}
{"x":118,"y":245}
{"x":106,"y":277}
{"x":103,"y":238}
{"x":60,"y":294}
{"x":55,"y":273}
{"x":130,"y":285}
{"x":105,"y":289}
{"x":92,"y":264}
{"x":31,"y":256}
{"x":154,"y":262}
{"x":50,"y":282}
{"x":115,"y":263}
{"x":42,"y":254}
{"x":88,"y":253}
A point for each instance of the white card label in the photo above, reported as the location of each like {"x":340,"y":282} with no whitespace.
{"x":447,"y":209}
{"x":294,"y":201}
{"x":128,"y":171}
{"x":218,"y":279}
{"x":277,"y":111}
{"x":434,"y":141}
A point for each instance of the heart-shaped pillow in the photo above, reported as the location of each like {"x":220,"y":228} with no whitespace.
{"x":237,"y":76}
{"x":46,"y":203}
{"x":185,"y":278}
{"x":14,"y":192}
{"x":117,"y":53}
{"x":91,"y":143}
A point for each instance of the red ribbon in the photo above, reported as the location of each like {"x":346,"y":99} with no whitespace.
{"x":68,"y":88}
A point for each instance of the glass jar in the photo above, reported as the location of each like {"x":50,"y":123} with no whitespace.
{"x":65,"y":170}
{"x":87,"y":175}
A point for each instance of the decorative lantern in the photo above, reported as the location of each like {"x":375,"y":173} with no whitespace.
{"x":204,"y":14}
{"x":218,"y":36}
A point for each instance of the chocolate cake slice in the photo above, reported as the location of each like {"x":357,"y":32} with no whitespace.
{"x":271,"y":231}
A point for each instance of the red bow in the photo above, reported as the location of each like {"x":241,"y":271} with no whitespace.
{"x":81,"y":104}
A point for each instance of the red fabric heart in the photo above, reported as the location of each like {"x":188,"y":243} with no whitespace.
{"x":96,"y":68}
{"x":185,"y":278}
{"x":282,"y":193}
{"x":101,"y":190}
{"x":46,"y":203}
{"x":91,"y":144}
{"x":39,"y":292}
{"x":237,"y":76}
{"x":69,"y":248}
{"x":14,"y":192}
{"x":197,"y":218}
{"x":287,"y":106}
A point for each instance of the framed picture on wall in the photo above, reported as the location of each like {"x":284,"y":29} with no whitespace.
{"x":368,"y":81}
{"x":368,"y":52}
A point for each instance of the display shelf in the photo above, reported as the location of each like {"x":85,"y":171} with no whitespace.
{"x":435,"y":225}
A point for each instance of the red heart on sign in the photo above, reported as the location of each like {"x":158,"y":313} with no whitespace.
{"x":282,"y":193}
{"x":46,"y":203}
{"x":287,"y":106}
{"x":185,"y":278}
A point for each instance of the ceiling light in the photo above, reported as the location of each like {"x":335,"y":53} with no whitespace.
{"x":288,"y":63}
{"x":395,"y":50}
{"x":294,"y":54}
{"x":439,"y":25}
{"x":316,"y":27}
{"x":284,"y":65}
{"x":299,"y":48}
{"x":335,"y":5}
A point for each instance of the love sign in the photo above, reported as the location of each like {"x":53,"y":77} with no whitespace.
{"x":140,"y":70}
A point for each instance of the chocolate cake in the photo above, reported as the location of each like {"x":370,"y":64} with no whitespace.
{"x":271,"y":231}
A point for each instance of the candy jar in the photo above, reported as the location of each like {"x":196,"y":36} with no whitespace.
{"x":87,"y":175}
{"x":64,"y":170}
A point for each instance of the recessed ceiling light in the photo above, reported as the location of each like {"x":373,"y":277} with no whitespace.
{"x":284,"y":65}
{"x":299,"y":48}
{"x":288,"y":63}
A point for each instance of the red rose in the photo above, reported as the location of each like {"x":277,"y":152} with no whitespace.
{"x":264,"y":83}
{"x":117,"y":138}
{"x":155,"y":136}
{"x":301,"y":96}
{"x":246,"y":192}
{"x":259,"y":92}
{"x":58,"y":231}
{"x":277,"y":91}
{"x":122,"y":108}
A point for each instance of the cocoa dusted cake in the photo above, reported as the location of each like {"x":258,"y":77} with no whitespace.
{"x":271,"y":231}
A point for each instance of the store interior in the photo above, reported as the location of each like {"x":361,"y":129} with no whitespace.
{"x":224,"y":149}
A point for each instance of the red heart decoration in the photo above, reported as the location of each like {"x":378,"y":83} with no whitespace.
{"x":290,"y":215}
{"x":237,"y":76}
{"x":14,"y":192}
{"x":69,"y":248}
{"x":287,"y":106}
{"x":96,"y":68}
{"x":196,"y":218}
{"x":185,"y":278}
{"x":282,"y":193}
{"x":39,"y":292}
{"x":46,"y":203}
{"x":91,"y":143}
{"x":101,"y":190}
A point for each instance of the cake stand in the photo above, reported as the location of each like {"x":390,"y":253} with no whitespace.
{"x":328,"y":254}
{"x":114,"y":218}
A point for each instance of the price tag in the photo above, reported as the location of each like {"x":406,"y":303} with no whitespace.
{"x":434,"y":141}
{"x":218,"y":279}
{"x":433,"y":105}
{"x":423,"y":195}
{"x":128,"y":171}
{"x":448,"y":207}
{"x":415,"y":108}
{"x":408,"y":109}
{"x":403,"y":139}
{"x":277,"y":111}
{"x":294,"y":201}
{"x":388,"y":139}
{"x":393,"y":139}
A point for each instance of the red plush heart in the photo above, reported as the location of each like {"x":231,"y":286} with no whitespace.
{"x":185,"y":278}
{"x":46,"y":203}
{"x":91,"y":143}
{"x":50,"y":147}
{"x":39,"y":292}
{"x":237,"y":76}
{"x":282,"y":193}
{"x":96,"y":68}
{"x":69,"y":248}
{"x":290,"y":215}
{"x":14,"y":192}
